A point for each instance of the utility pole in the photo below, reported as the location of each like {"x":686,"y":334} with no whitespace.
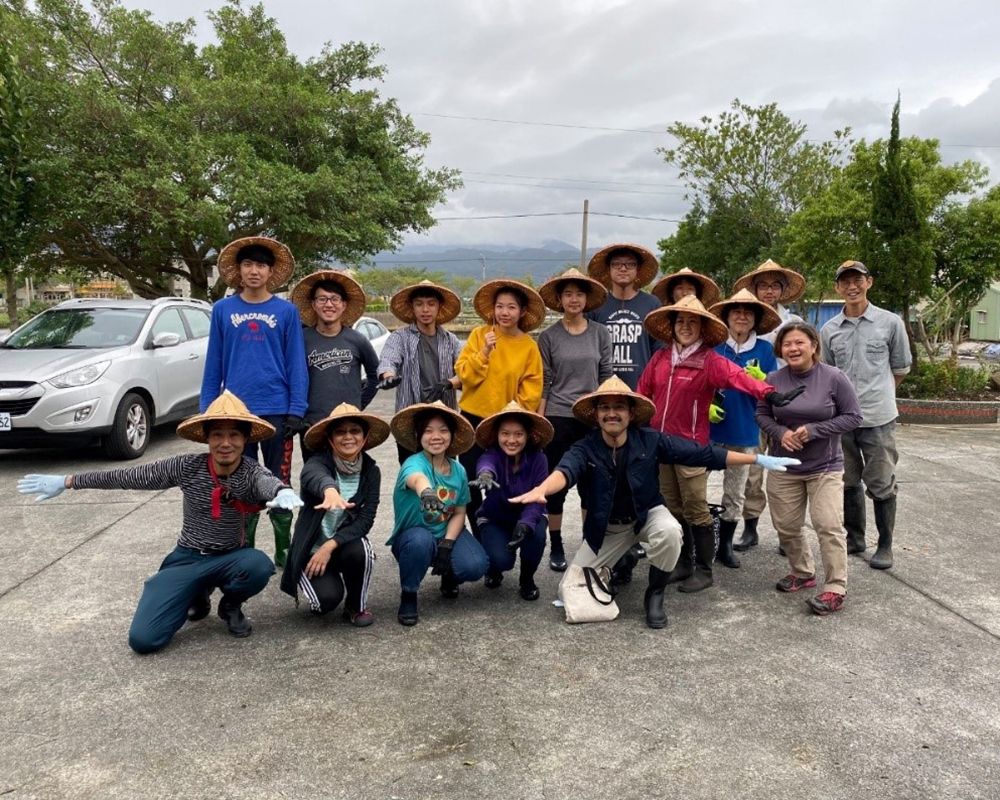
{"x":482,"y":260}
{"x":583,"y":242}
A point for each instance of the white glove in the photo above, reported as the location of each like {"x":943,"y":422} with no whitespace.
{"x":286,"y":500}
{"x":45,"y":486}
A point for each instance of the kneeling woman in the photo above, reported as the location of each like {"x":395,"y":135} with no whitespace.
{"x":513,"y":462}
{"x":330,"y":551}
{"x":429,"y":502}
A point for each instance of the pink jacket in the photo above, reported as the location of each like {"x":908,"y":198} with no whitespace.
{"x":682,"y":394}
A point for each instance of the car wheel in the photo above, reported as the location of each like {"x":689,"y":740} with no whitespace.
{"x":130,"y":432}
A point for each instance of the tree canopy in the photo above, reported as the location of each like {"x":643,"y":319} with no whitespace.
{"x":153,"y":153}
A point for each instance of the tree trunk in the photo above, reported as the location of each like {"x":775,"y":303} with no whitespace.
{"x":10,"y":289}
{"x":909,"y":334}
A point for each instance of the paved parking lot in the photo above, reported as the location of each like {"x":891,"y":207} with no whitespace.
{"x":744,"y":694}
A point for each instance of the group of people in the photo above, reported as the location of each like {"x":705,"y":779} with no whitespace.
{"x":630,"y":396}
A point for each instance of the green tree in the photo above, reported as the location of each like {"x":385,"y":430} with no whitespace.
{"x":463,"y":284}
{"x":384,"y":283}
{"x":747,"y":172}
{"x":159,"y":152}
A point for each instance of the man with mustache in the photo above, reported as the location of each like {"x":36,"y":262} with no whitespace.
{"x":617,"y":467}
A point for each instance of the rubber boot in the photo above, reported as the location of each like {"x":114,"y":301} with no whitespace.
{"x":251,"y":530}
{"x":201,"y":604}
{"x":282,"y":524}
{"x":231,"y":612}
{"x":621,"y":573}
{"x":854,"y":518}
{"x":749,"y":537}
{"x":656,"y":617}
{"x":885,"y":521}
{"x":527,"y":587}
{"x":557,"y":555}
{"x":704,"y":554}
{"x":725,"y":554}
{"x":682,"y":570}
{"x":407,"y":614}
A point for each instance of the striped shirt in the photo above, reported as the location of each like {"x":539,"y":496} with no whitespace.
{"x":400,"y":357}
{"x":250,"y":482}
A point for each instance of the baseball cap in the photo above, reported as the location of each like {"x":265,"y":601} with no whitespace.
{"x":852,"y":266}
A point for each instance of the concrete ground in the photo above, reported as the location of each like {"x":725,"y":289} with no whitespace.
{"x":744,"y":694}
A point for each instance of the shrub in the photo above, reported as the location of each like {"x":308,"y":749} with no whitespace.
{"x":945,"y":380}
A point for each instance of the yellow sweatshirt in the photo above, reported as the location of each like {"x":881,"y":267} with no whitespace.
{"x":512,"y":372}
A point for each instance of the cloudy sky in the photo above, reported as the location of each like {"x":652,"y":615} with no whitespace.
{"x":580,"y":92}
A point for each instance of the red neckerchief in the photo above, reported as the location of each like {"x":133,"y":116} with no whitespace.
{"x":239,"y":505}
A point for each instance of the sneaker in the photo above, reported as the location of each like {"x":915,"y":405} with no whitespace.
{"x":232,"y":614}
{"x":359,"y":619}
{"x":493,"y":579}
{"x":826,"y":603}
{"x":528,"y":590}
{"x":792,"y":583}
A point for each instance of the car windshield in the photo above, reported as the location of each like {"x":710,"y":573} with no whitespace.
{"x":79,"y":328}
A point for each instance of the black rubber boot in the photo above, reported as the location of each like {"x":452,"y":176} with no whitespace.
{"x":725,"y":555}
{"x":621,"y":573}
{"x":885,"y":521}
{"x":557,"y":555}
{"x":407,"y":614}
{"x":704,"y":555}
{"x":749,"y":537}
{"x":449,"y":586}
{"x":854,"y":518}
{"x":527,"y":588}
{"x":201,"y":605}
{"x":682,"y":570}
{"x":231,"y":613}
{"x":656,"y":617}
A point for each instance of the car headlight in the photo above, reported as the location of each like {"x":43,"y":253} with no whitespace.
{"x":82,"y":376}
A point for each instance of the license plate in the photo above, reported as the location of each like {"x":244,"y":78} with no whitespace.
{"x":4,"y":422}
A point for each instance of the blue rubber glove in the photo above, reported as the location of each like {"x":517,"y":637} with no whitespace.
{"x":776,"y":463}
{"x":286,"y":500}
{"x":45,"y":486}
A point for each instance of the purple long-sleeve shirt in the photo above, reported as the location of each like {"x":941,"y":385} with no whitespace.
{"x":534,"y":469}
{"x":828,"y":408}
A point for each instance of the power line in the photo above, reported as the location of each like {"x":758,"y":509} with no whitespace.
{"x":570,"y":188}
{"x":474,"y":259}
{"x":570,"y":180}
{"x":559,"y":214}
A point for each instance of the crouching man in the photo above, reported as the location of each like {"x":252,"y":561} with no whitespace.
{"x":221,"y":489}
{"x":617,"y":467}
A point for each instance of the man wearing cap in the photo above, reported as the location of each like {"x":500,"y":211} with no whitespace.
{"x":329,"y":303}
{"x":870,"y":345}
{"x":419,"y":360}
{"x":773,"y":285}
{"x":624,"y":269}
{"x":220,"y":488}
{"x":617,"y":466}
{"x":256,"y":351}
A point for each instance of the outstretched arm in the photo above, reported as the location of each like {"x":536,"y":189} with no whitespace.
{"x":554,"y":483}
{"x":162,"y":474}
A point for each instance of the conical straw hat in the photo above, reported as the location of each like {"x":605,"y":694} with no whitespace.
{"x":768,"y":319}
{"x":228,"y":407}
{"x":709,"y":295}
{"x":378,"y":429}
{"x":552,"y":288}
{"x":796,"y":284}
{"x":404,"y":433}
{"x":585,"y":409}
{"x":540,"y":430}
{"x":284,"y":264}
{"x":660,"y":323}
{"x":402,"y":309}
{"x":354,"y":297}
{"x":600,"y":270}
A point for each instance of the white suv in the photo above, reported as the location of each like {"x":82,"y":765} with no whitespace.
{"x":102,"y":370}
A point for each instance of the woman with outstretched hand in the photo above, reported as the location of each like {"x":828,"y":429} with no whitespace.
{"x":809,"y":428}
{"x":429,"y":502}
{"x":514,"y":461}
{"x":221,"y":489}
{"x":331,"y":556}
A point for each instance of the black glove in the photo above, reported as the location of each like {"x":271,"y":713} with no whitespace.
{"x":294,"y":425}
{"x":442,"y":558}
{"x":784,"y":398}
{"x":521,"y":532}
{"x":389,"y":383}
{"x":438,"y":392}
{"x":430,"y":502}
{"x":485,"y":481}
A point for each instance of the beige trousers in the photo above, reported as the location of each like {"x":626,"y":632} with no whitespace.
{"x":788,"y":496}
{"x":660,"y":537}
{"x":685,"y":491}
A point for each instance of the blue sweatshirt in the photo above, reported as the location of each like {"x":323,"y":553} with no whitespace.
{"x":739,"y":428}
{"x":256,"y":351}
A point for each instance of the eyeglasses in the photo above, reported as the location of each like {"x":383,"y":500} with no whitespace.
{"x":624,"y":265}
{"x":854,"y":280}
{"x":329,"y":300}
{"x":774,"y":286}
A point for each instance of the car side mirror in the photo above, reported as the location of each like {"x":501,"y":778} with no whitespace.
{"x":166,"y":339}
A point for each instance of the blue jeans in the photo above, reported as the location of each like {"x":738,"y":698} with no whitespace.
{"x":495,"y":537}
{"x":185,"y":573}
{"x":414,"y":549}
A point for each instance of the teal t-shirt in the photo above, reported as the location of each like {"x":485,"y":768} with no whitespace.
{"x":331,"y":519}
{"x":453,"y":490}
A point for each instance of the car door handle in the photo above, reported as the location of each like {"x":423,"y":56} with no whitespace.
{"x":193,"y":357}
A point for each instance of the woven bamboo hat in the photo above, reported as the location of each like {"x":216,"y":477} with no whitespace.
{"x":795,"y":284}
{"x":660,"y":323}
{"x":600,"y":270}
{"x":378,"y":429}
{"x":540,"y":430}
{"x":354,"y":296}
{"x":227,"y":407}
{"x":585,"y":409}
{"x":485,"y":298}
{"x":709,"y":291}
{"x":552,"y":288}
{"x":403,"y":431}
{"x":282,"y":270}
{"x":767,"y":320}
{"x":402,"y":308}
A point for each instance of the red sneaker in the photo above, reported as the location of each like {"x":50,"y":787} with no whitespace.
{"x":792,"y":583}
{"x":826,"y":603}
{"x":359,"y":619}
